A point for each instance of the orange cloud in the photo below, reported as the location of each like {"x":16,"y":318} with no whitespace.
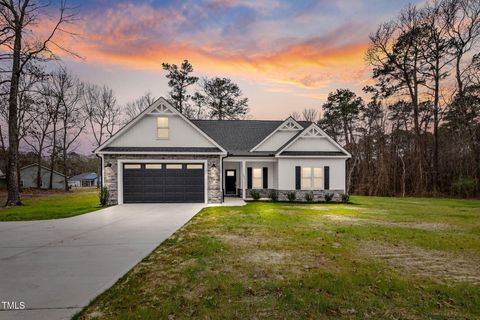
{"x":140,"y":37}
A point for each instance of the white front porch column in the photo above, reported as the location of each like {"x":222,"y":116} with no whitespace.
{"x":244,"y":183}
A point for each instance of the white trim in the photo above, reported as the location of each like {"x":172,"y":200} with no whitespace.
{"x":161,"y":152}
{"x":244,"y":180}
{"x":222,"y":189}
{"x":348,"y":155}
{"x":120,"y":163}
{"x":288,"y":120}
{"x":252,"y":159}
{"x":160,"y":101}
{"x":309,"y":157}
{"x":103,"y":171}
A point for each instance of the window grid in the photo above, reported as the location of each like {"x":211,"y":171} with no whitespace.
{"x":312,"y":178}
{"x":162,"y":128}
{"x":257,"y":178}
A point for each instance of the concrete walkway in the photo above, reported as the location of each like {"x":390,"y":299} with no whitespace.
{"x":56,"y":267}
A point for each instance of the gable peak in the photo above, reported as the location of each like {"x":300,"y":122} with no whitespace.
{"x":313,"y":132}
{"x":290,"y":125}
{"x":161,"y":109}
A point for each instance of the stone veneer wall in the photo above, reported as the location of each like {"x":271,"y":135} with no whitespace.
{"x":213,"y":183}
{"x":318,"y":195}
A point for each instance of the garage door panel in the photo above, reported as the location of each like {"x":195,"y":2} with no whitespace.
{"x":163,"y":183}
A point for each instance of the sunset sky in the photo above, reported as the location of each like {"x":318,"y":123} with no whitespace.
{"x":285,"y":55}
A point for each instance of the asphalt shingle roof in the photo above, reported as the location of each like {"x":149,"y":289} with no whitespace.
{"x":238,"y":137}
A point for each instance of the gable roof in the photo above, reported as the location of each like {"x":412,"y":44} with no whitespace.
{"x":290,"y":122}
{"x":84,"y":176}
{"x":43,"y":167}
{"x":306,"y":132}
{"x":160,"y":103}
{"x":238,"y":137}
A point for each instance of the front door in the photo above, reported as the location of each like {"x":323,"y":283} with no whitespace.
{"x":230,"y":181}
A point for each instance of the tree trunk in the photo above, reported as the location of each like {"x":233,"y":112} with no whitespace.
{"x":13,"y":186}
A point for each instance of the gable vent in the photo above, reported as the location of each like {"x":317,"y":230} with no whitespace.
{"x":290,"y":125}
{"x":161,"y":110}
{"x":313,"y":132}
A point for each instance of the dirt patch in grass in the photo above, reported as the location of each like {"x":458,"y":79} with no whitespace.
{"x":438,"y":265}
{"x":413,"y":225}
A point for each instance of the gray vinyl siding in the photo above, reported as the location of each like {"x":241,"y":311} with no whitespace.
{"x":28,"y":176}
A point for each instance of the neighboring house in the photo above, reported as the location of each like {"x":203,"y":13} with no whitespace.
{"x":87,"y":179}
{"x":161,"y":156}
{"x":28,"y":177}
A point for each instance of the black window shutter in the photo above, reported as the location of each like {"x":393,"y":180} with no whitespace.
{"x":249,"y":178}
{"x":298,"y":177}
{"x":265,"y":178}
{"x":326,"y":174}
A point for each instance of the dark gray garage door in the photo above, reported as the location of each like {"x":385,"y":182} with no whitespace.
{"x":163,"y":182}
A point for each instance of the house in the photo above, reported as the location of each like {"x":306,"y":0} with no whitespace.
{"x":87,"y":179}
{"x":28,"y":177}
{"x":161,"y":156}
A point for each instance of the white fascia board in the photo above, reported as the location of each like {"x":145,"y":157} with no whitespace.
{"x":316,"y":157}
{"x":146,"y":112}
{"x":348,"y":155}
{"x":250,"y":159}
{"x":274,"y":131}
{"x":160,"y":153}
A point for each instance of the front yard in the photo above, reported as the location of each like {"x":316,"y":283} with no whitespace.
{"x":53,"y":204}
{"x":379,"y":258}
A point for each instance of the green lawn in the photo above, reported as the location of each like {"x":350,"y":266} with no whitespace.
{"x":53,"y":206}
{"x":378,"y":258}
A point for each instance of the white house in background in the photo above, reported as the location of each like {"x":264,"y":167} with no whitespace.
{"x":161,"y":156}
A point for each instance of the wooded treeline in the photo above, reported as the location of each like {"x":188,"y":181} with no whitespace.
{"x":418,"y":132}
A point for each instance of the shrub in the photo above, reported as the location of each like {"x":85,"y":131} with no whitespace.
{"x":345,"y":198}
{"x":309,"y":197}
{"x":273,"y":194}
{"x":104,"y":196}
{"x":291,"y":196}
{"x":328,"y":197}
{"x":464,"y":187}
{"x":255,"y":195}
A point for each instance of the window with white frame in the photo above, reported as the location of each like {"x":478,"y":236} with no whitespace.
{"x":162,"y":128}
{"x":257,"y":178}
{"x":312,"y":178}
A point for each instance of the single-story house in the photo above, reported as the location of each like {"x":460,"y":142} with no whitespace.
{"x":87,"y":179}
{"x":28,"y":177}
{"x":161,"y":156}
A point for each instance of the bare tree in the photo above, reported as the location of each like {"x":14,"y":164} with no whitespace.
{"x":40,"y":129}
{"x":20,"y":46}
{"x":102,"y":111}
{"x":137,"y":106}
{"x":310,"y":115}
{"x":71,"y":117}
{"x":295,"y":115}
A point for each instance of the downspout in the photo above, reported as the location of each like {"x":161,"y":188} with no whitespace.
{"x":102,"y":163}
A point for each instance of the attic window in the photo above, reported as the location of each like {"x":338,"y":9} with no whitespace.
{"x":162,"y":128}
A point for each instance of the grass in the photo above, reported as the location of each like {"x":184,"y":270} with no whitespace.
{"x":378,"y":258}
{"x":53,"y":206}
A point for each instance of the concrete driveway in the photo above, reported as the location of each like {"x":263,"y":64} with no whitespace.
{"x":56,"y":267}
